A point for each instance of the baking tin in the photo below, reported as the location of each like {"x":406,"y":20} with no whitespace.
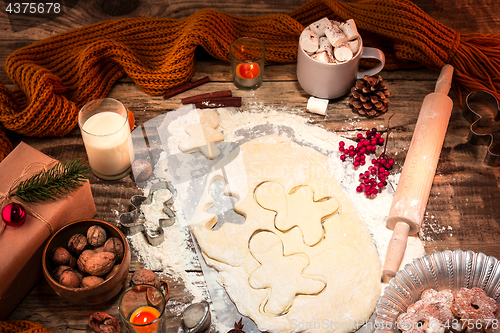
{"x":441,"y":270}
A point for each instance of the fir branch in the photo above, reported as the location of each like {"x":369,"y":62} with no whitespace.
{"x":53,"y":183}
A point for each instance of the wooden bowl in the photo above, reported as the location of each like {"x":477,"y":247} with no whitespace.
{"x":91,"y":295}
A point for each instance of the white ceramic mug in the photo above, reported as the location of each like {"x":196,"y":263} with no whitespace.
{"x":331,"y":81}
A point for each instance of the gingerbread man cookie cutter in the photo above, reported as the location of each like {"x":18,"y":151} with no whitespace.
{"x":482,"y":110}
{"x":132,"y":222}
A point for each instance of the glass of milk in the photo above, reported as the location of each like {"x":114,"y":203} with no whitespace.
{"x":106,"y":134}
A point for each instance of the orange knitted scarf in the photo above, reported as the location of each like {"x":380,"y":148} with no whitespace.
{"x":22,"y":326}
{"x":58,"y":75}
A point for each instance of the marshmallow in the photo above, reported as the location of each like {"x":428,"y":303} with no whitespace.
{"x":317,"y":105}
{"x":309,"y":41}
{"x":320,"y":26}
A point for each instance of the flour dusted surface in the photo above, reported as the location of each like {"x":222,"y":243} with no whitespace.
{"x":175,"y":255}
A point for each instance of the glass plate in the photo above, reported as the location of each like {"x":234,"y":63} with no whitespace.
{"x":440,"y":270}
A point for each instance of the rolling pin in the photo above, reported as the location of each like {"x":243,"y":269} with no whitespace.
{"x":415,"y":182}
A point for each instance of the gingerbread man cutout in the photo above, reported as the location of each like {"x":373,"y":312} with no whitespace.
{"x":203,"y":136}
{"x":297,"y":209}
{"x":282,"y":275}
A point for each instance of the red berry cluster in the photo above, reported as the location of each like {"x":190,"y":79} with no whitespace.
{"x":374,"y":179}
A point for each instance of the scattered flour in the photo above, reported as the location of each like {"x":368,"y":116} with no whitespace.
{"x":175,"y":256}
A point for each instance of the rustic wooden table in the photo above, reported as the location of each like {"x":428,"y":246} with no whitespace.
{"x":462,"y":212}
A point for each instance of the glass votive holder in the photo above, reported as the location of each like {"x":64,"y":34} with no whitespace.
{"x":106,"y":135}
{"x":142,"y":308}
{"x":247,"y":62}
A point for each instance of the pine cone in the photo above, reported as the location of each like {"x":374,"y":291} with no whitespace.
{"x":370,"y":96}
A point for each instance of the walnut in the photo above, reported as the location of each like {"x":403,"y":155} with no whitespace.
{"x":100,"y":263}
{"x":90,"y":281}
{"x":143,"y":276}
{"x":61,"y":256}
{"x":72,"y":262}
{"x":77,"y":243}
{"x":142,"y":170}
{"x":82,"y":259}
{"x":100,"y":249}
{"x":79,"y":275}
{"x":56,"y":274}
{"x":96,"y":236}
{"x":114,"y":245}
{"x":69,"y":279}
{"x":101,"y":322}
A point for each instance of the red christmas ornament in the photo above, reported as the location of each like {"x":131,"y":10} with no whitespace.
{"x":13,"y":214}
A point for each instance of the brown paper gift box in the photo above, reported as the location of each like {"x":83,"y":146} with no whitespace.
{"x":21,"y":247}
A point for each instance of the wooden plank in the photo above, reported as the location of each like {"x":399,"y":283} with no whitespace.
{"x":454,"y":14}
{"x":59,"y":315}
{"x":461,"y":212}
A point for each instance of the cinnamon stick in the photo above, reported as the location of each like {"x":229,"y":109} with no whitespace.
{"x":219,"y":102}
{"x":185,"y":87}
{"x":207,"y":96}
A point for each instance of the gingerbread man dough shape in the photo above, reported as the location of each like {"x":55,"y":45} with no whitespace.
{"x":346,"y":257}
{"x":282,"y":275}
{"x":203,"y":136}
{"x":297,"y":209}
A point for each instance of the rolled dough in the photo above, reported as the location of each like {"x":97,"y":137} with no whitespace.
{"x":333,"y":283}
{"x":203,"y":136}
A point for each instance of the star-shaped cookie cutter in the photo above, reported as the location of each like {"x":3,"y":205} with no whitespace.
{"x":485,"y":124}
{"x":132,"y":222}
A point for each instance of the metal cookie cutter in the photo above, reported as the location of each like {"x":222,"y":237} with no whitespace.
{"x":483,"y":112}
{"x":133,"y":222}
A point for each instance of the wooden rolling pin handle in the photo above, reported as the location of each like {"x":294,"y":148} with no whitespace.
{"x":443,"y":83}
{"x":395,"y":250}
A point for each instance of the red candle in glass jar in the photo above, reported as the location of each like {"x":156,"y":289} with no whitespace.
{"x":248,"y":70}
{"x":143,"y":316}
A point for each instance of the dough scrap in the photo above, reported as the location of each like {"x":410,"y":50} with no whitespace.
{"x":297,"y":209}
{"x":346,"y":257}
{"x":282,"y":275}
{"x":203,"y":136}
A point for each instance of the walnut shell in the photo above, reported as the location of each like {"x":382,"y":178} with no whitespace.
{"x":96,"y":236}
{"x":100,"y":263}
{"x":114,"y":245}
{"x":90,"y":281}
{"x":69,"y":279}
{"x":82,"y":259}
{"x":101,"y":322}
{"x":77,"y":243}
{"x":61,"y":256}
{"x":143,"y":276}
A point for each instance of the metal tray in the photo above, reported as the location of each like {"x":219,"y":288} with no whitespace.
{"x":441,"y":270}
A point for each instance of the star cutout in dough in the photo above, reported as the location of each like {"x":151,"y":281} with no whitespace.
{"x":283,"y":275}
{"x":297,"y":209}
{"x":203,"y":136}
